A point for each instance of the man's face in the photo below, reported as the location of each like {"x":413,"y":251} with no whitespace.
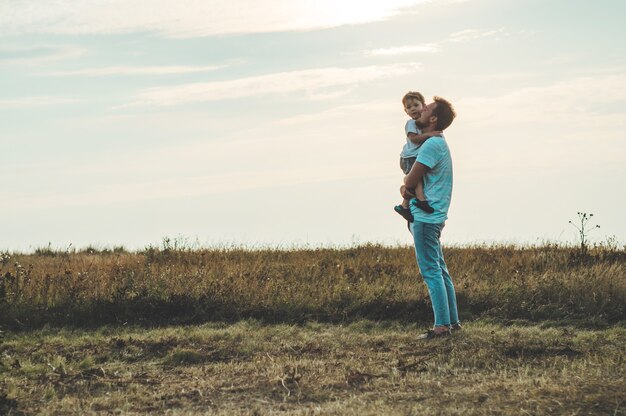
{"x":427,"y":119}
{"x":414,"y":108}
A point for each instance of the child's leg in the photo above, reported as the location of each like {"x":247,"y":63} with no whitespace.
{"x":404,"y":208}
{"x":419,"y":191}
{"x":404,"y":211}
{"x":420,"y":199}
{"x":405,"y":202}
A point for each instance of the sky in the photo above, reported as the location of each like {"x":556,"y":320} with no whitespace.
{"x":279,"y":123}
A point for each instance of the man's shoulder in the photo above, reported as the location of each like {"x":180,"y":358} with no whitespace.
{"x":433,"y":151}
{"x":436,"y":143}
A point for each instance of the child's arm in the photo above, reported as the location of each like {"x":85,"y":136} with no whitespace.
{"x":421,"y":138}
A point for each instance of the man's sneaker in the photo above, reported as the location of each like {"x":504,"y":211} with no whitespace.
{"x":423,"y":205}
{"x":430,"y":334}
{"x":405,"y":212}
{"x":456,"y":327}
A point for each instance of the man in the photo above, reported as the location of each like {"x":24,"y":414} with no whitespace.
{"x":434,"y":166}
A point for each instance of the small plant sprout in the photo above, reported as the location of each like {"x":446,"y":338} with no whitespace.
{"x":584,"y":228}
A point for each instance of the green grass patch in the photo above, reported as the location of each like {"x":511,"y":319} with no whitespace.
{"x":183,"y":357}
{"x":365,"y":367}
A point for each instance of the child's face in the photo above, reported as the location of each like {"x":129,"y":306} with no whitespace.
{"x":414,"y":108}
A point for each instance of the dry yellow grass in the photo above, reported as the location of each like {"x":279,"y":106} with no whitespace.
{"x":168,"y":285}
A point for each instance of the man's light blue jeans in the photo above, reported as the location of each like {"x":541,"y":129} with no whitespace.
{"x":435,"y":272}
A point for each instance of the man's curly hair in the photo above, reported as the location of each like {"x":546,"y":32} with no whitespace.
{"x":444,"y":113}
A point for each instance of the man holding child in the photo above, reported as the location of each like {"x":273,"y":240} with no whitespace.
{"x":433,"y":165}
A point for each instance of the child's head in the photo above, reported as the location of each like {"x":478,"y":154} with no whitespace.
{"x":413,"y":104}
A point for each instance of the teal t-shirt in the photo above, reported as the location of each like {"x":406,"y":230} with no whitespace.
{"x":435,"y":154}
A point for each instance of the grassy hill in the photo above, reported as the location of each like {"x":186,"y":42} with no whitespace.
{"x":178,"y":285}
{"x":178,"y":331}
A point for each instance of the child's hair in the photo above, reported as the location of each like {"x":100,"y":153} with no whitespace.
{"x":444,"y":113}
{"x":413,"y":95}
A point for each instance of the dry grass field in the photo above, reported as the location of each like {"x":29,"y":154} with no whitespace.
{"x":174,"y":330}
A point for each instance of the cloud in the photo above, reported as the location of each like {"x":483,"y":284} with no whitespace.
{"x":31,"y":102}
{"x":190,"y":186}
{"x":311,"y":81}
{"x":575,"y":124}
{"x":192,"y":18}
{"x":582,"y":102}
{"x":404,"y":50}
{"x":473,"y":34}
{"x":135,"y":70}
{"x":341,"y":112}
{"x":435,"y":47}
{"x":38,"y":54}
{"x":259,"y":155}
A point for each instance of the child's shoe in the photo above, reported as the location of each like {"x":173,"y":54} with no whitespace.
{"x":423,"y":205}
{"x":405,"y":212}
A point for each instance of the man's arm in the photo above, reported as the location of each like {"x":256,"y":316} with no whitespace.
{"x":421,"y":138}
{"x":415,"y":175}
